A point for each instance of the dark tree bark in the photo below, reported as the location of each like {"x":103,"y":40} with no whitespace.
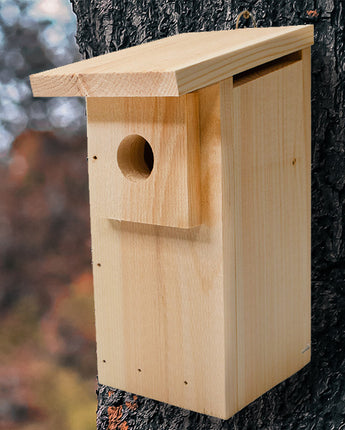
{"x":314,"y":398}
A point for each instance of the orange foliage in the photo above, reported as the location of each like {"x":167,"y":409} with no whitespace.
{"x":46,"y":300}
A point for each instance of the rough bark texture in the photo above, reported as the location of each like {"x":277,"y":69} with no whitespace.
{"x":314,"y":398}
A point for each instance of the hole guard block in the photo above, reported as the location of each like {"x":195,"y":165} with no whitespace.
{"x":202,"y":273}
{"x":170,"y":195}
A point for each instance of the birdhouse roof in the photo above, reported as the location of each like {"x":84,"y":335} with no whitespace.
{"x":174,"y":65}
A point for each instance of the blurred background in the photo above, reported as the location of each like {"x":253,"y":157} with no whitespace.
{"x":47,"y":339}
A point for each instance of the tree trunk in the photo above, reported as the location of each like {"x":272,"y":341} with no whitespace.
{"x":315,"y":396}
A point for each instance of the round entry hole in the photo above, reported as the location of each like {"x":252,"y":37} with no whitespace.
{"x":135,"y":157}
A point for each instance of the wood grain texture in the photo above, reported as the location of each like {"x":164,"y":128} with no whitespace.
{"x":172,"y":66}
{"x":272,"y":225}
{"x":314,"y":396}
{"x":170,"y":195}
{"x":231,"y":297}
{"x":165,"y":308}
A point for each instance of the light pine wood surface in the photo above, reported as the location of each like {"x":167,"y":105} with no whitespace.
{"x":165,"y":321}
{"x":201,"y":256}
{"x":272,"y":223}
{"x":172,"y":66}
{"x":211,"y":317}
{"x":170,"y":195}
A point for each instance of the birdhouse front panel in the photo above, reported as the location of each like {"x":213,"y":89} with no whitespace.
{"x":199,"y":165}
{"x":159,"y":293}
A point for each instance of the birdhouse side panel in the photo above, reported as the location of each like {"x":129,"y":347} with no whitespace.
{"x":272,"y":194}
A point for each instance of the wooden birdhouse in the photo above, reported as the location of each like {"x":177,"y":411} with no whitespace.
{"x":199,"y":168}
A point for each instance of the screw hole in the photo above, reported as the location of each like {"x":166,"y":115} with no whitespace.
{"x":185,"y":383}
{"x":139,"y":370}
{"x":135,"y":158}
{"x":104,"y":361}
{"x":294,"y":161}
{"x":99,"y":264}
{"x":95,"y":157}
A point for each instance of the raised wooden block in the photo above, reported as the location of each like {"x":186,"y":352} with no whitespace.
{"x":145,"y":159}
{"x":200,"y":212}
